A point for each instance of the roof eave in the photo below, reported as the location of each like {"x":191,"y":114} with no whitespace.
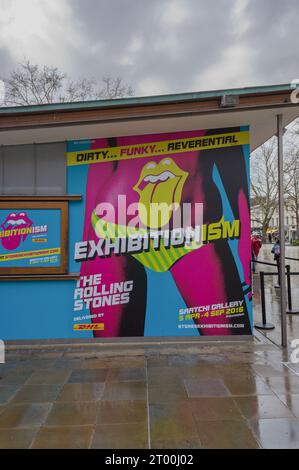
{"x":145,"y":101}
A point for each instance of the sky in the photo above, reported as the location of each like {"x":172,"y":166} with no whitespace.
{"x":156,"y":46}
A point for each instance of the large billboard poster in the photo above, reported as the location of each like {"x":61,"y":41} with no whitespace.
{"x":164,"y":242}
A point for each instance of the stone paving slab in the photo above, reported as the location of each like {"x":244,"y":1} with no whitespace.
{"x":216,"y":395}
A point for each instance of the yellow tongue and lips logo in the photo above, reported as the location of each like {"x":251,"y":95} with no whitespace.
{"x":160,"y":188}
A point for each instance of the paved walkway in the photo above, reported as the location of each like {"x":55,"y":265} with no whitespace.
{"x":195,"y":395}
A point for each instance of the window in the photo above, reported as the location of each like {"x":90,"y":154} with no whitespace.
{"x":37,"y":169}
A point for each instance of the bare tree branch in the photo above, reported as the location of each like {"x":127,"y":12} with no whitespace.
{"x":31,"y":84}
{"x":264,"y":185}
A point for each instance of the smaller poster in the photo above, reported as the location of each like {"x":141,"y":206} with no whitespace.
{"x":30,"y":238}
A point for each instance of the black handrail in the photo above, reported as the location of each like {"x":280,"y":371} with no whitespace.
{"x":272,"y":264}
{"x":263,"y":262}
{"x":269,"y":326}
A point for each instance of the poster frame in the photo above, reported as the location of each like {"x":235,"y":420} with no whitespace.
{"x":63,"y":206}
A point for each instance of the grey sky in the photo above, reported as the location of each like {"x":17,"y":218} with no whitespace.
{"x":157,"y":46}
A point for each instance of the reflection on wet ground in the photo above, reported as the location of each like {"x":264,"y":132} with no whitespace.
{"x":184,"y":395}
{"x":273,"y":295}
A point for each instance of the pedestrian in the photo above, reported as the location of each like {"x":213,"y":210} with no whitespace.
{"x":276,"y":252}
{"x":255,"y":249}
{"x":270,"y":237}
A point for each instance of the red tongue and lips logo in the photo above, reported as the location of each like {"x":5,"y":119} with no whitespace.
{"x":15,"y":222}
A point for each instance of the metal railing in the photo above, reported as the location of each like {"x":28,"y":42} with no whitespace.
{"x":266,"y":325}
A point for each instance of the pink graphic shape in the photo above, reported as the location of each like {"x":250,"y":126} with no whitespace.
{"x":15,"y":222}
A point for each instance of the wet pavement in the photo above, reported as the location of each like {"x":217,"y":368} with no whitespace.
{"x":176,"y":395}
{"x":272,"y":295}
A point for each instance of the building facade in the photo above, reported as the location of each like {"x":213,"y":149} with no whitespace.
{"x":273,"y":228}
{"x":73,"y":269}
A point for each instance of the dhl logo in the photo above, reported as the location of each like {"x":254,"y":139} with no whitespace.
{"x":88,"y":326}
